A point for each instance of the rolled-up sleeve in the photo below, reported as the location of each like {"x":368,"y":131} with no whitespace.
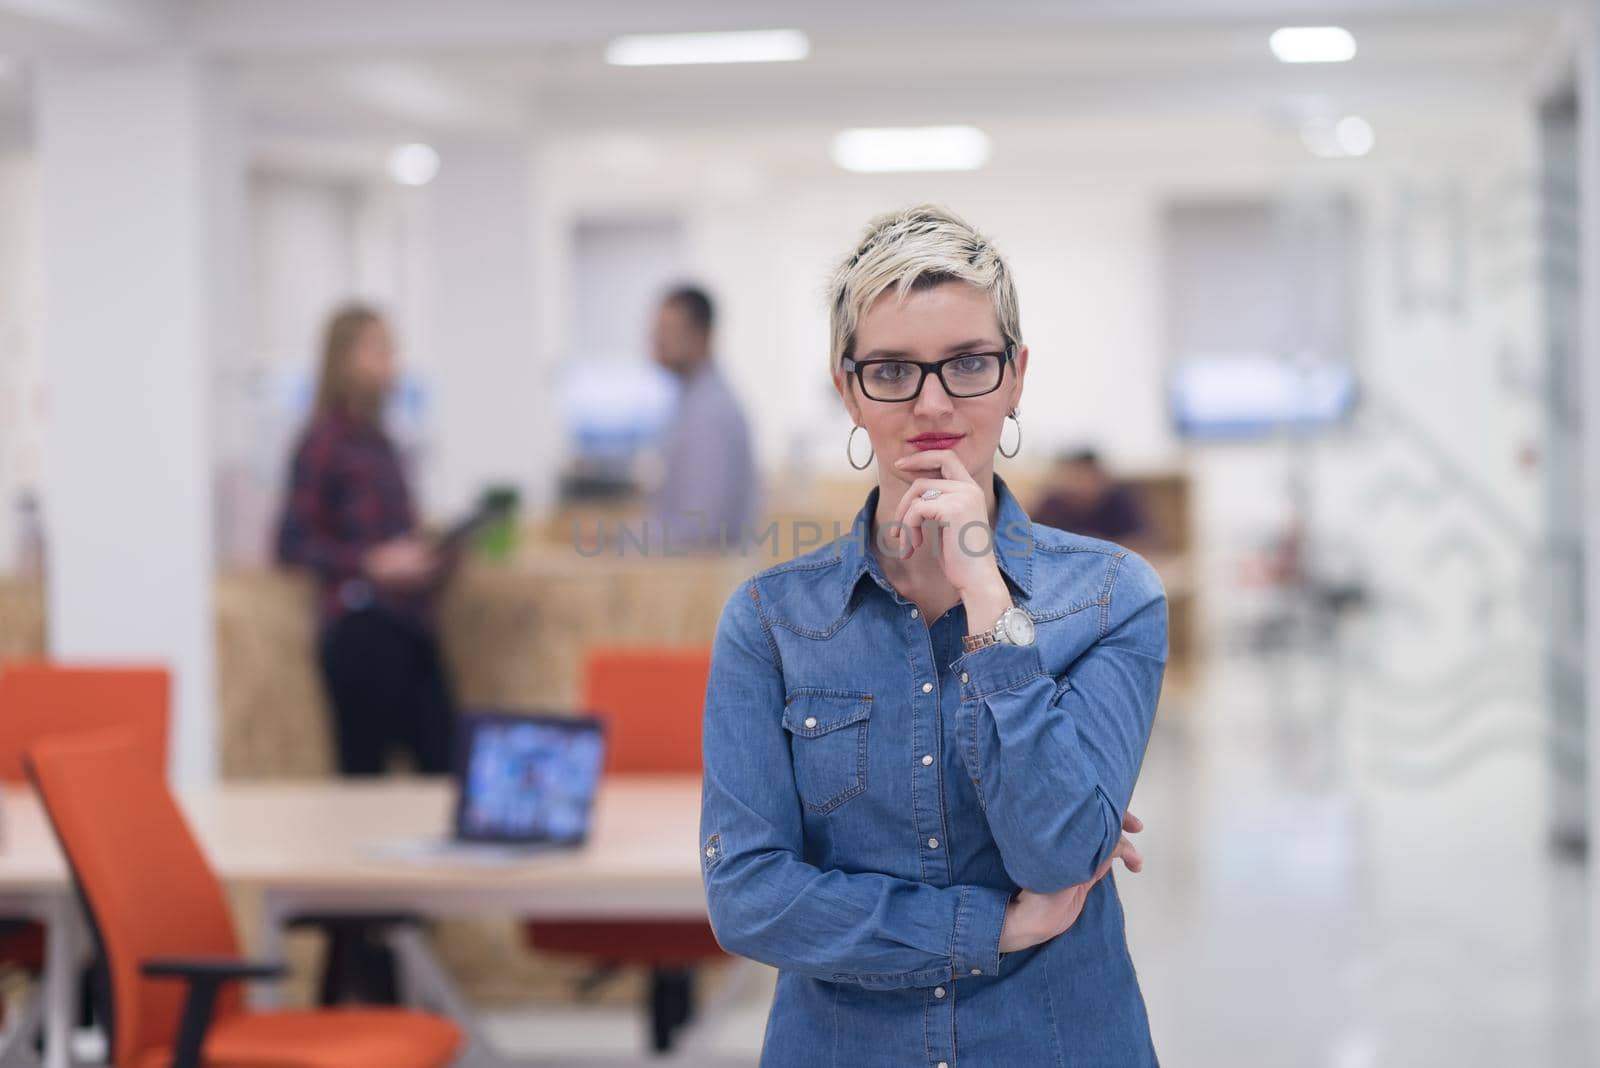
{"x":768,"y":904}
{"x":1055,"y":759}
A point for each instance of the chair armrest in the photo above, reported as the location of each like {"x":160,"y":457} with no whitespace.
{"x":205,"y":976}
{"x":356,"y":920}
{"x":212,"y":969}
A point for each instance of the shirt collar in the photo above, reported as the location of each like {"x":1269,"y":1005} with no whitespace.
{"x":1013,"y":547}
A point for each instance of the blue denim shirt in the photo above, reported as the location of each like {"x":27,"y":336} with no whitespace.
{"x":874,"y":797}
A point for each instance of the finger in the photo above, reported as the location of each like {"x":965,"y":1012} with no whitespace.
{"x":894,"y":539}
{"x":1131,"y":823}
{"x":902,"y":534}
{"x":920,"y":514}
{"x":1131,"y":858}
{"x":945,"y":461}
{"x":914,"y":493}
{"x":916,"y":514}
{"x":953,"y":503}
{"x":923,"y":484}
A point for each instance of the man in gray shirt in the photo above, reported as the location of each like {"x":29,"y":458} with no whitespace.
{"x":708,"y":496}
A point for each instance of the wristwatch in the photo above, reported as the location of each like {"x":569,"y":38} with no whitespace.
{"x":1014,"y":627}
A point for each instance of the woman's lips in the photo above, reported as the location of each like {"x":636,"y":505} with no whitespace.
{"x":924,"y":442}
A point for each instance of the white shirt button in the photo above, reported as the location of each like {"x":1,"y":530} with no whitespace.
{"x":963,"y":676}
{"x":811,"y":721}
{"x":933,"y":843}
{"x":938,"y":991}
{"x":927,"y":759}
{"x":977,"y":971}
{"x":927,"y":687}
{"x":944,"y":1064}
{"x":711,"y":851}
{"x":915,"y":613}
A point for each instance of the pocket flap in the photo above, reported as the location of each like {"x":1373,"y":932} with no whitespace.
{"x":809,"y":714}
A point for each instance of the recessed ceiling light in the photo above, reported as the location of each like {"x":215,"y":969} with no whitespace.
{"x":1312,"y":44}
{"x":1348,"y":137}
{"x":911,"y":148}
{"x":670,"y":49}
{"x":414,"y":164}
{"x":1354,"y":135}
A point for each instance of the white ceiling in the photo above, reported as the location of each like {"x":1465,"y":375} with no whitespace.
{"x":338,"y":71}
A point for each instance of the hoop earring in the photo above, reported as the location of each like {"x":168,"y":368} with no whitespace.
{"x":849,"y":451}
{"x":1016,"y":417}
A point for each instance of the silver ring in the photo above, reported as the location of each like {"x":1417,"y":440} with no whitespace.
{"x":930,"y":493}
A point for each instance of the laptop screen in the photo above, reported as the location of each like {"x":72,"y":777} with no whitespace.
{"x":527,"y":778}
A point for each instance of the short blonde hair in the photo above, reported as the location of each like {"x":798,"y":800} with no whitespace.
{"x":911,"y":249}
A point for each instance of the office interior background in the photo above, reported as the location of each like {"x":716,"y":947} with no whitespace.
{"x":1334,"y":319}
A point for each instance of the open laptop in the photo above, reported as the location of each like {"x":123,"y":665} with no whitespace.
{"x":525,"y":783}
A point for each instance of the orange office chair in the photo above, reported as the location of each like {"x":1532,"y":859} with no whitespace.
{"x":653,"y":700}
{"x":38,"y":699}
{"x":158,"y":914}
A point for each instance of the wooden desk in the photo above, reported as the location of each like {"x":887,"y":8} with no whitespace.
{"x":311,"y":847}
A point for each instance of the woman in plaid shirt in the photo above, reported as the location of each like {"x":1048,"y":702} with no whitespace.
{"x":349,"y":519}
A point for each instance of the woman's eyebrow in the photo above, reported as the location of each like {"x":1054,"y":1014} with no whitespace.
{"x":973,"y":345}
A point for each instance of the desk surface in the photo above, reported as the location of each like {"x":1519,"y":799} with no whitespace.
{"x":321,"y":836}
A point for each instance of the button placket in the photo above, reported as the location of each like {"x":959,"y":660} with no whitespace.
{"x":928,"y":790}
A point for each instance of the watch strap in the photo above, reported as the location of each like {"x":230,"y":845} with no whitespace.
{"x":973,"y":642}
{"x":995,"y":635}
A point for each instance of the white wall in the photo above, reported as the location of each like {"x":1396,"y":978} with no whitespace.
{"x":137,"y":177}
{"x":496,"y":421}
{"x":21,"y":386}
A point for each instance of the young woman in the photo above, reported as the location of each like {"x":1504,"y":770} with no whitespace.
{"x":349,"y":518}
{"x":920,"y":741}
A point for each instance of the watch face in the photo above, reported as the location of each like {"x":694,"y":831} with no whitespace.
{"x":1019,"y":627}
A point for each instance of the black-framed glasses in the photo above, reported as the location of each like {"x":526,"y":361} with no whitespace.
{"x":971,"y":374}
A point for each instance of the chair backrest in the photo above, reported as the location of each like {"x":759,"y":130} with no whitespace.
{"x":653,"y":700}
{"x":38,"y":699}
{"x":149,"y":890}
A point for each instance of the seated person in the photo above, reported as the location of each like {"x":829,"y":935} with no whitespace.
{"x":1081,"y":497}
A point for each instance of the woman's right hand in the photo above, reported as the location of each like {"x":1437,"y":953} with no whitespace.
{"x":1033,"y":918}
{"x":405,"y":563}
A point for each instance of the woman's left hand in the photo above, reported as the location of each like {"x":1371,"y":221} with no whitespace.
{"x":958,"y":519}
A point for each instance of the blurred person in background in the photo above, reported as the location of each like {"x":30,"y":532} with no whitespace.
{"x":709,"y":489}
{"x":1082,"y":497}
{"x":919,"y":746}
{"x":350,"y":519}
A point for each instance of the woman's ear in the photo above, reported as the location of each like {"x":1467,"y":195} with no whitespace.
{"x":1022,"y":369}
{"x":841,"y":385}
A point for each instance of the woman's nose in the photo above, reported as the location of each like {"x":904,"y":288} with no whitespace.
{"x":933,"y":400}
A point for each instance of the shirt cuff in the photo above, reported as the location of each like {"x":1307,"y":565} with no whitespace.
{"x":996,"y":668}
{"x":979,"y":920}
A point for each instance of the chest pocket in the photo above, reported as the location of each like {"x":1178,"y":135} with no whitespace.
{"x":828,"y":742}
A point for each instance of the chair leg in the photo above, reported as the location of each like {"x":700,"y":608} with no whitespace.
{"x":740,"y":976}
{"x":359,"y":966}
{"x":671,"y":1004}
{"x":19,"y":1044}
